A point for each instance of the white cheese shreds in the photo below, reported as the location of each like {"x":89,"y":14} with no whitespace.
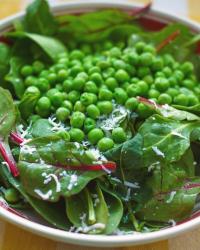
{"x":86,"y":229}
{"x":73,"y":181}
{"x":171,"y":197}
{"x":158,"y":152}
{"x":50,"y":177}
{"x":28,"y":149}
{"x":55,"y":126}
{"x":42,"y":195}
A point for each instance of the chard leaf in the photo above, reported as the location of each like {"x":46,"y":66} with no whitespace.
{"x":176,"y":204}
{"x":38,"y":19}
{"x":88,"y":210}
{"x":41,"y":128}
{"x":51,"y":46}
{"x":43,"y":165}
{"x":47,"y":210}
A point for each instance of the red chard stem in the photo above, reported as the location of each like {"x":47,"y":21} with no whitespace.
{"x":169,"y":39}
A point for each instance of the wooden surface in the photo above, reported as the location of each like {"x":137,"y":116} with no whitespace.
{"x":14,"y":238}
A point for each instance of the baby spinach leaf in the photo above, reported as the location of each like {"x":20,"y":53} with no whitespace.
{"x":38,"y":19}
{"x":39,"y":174}
{"x":115,"y":208}
{"x":176,"y":204}
{"x":79,"y":211}
{"x":47,"y":210}
{"x":41,"y":128}
{"x":192,"y":109}
{"x":50,"y":45}
{"x":14,"y":76}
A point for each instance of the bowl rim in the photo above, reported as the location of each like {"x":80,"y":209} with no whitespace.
{"x":100,"y":240}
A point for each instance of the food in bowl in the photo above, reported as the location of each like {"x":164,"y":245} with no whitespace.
{"x":99,"y":121}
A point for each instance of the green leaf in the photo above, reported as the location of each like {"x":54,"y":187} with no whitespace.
{"x":14,"y":76}
{"x":50,"y":45}
{"x":39,"y":174}
{"x":38,"y":19}
{"x":175,"y":205}
{"x":41,"y":128}
{"x":7,"y":113}
{"x":115,"y":208}
{"x":192,"y":109}
{"x":78,"y":211}
{"x":4,"y":62}
{"x":47,"y":210}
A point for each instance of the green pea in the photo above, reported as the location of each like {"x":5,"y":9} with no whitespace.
{"x":95,"y":135}
{"x":133,"y":58}
{"x":64,"y":135}
{"x":30,"y":81}
{"x":57,"y":99}
{"x":105,"y":107}
{"x":51,"y":92}
{"x":62,"y":114}
{"x":52,"y":78}
{"x":193,"y":100}
{"x":76,"y":54}
{"x":77,"y":119}
{"x":88,"y":98}
{"x":150,"y":49}
{"x":105,"y":94}
{"x":119,"y":64}
{"x":109,"y":72}
{"x":68,"y":85}
{"x":37,"y":67}
{"x":164,"y":99}
{"x":172,"y":81}
{"x":178,"y":75}
{"x":120,"y":95}
{"x":157,"y":64}
{"x":153,"y":93}
{"x":83,"y":75}
{"x":42,"y":112}
{"x":148,"y":79}
{"x":188,"y":83}
{"x":139,"y":46}
{"x":78,"y":83}
{"x":94,"y":69}
{"x":32,"y":90}
{"x":75,"y":70}
{"x":187,"y":68}
{"x":73,"y":96}
{"x":59,"y":87}
{"x":143,"y":110}
{"x":131,"y":103}
{"x":146,"y":59}
{"x":78,"y":106}
{"x":93,"y":111}
{"x":119,"y":135}
{"x":167,"y":71}
{"x":11,"y":195}
{"x":111,"y":83}
{"x":161,"y":84}
{"x":91,"y":87}
{"x":67,"y":104}
{"x":62,"y":75}
{"x":172,"y":92}
{"x":143,"y":71}
{"x":143,"y":88}
{"x":103,"y":64}
{"x":96,"y":78}
{"x":133,"y":90}
{"x":181,"y":99}
{"x":168,"y":60}
{"x":76,"y":135}
{"x":44,"y":103}
{"x":115,"y":52}
{"x":26,"y":70}
{"x":122,"y":76}
{"x":105,"y":144}
{"x":89,"y":124}
{"x":43,"y":84}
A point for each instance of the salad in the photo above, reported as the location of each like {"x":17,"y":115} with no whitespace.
{"x":100,"y":121}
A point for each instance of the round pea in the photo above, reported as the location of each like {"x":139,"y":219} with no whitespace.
{"x":89,"y":124}
{"x":78,"y":83}
{"x":78,"y":106}
{"x":181,"y":99}
{"x":118,"y":135}
{"x":51,"y":92}
{"x":143,"y":71}
{"x":44,"y":103}
{"x":143,"y":110}
{"x":77,"y":119}
{"x":43,"y":84}
{"x":122,"y":76}
{"x":105,"y":144}
{"x":62,"y":75}
{"x":67,"y":104}
{"x":161,"y":84}
{"x":157,"y":64}
{"x":76,"y":54}
{"x":52,"y":78}
{"x":63,"y":134}
{"x":153,"y":93}
{"x":120,"y":95}
{"x":30,"y":81}
{"x":188,"y":83}
{"x":37,"y":67}
{"x":73,"y":96}
{"x":91,"y":87}
{"x":95,"y":135}
{"x":133,"y":90}
{"x":187,"y":68}
{"x":131,"y":103}
{"x":143,"y":88}
{"x":88,"y":98}
{"x":96,"y":78}
{"x":32,"y":90}
{"x":94,"y":69}
{"x":146,"y":59}
{"x":164,"y":99}
{"x":76,"y":135}
{"x":193,"y":100}
{"x":57,"y":99}
{"x":26,"y":70}
{"x":139,"y":46}
{"x":93,"y":111}
{"x":62,"y":114}
{"x":111,"y":83}
{"x":68,"y":85}
{"x":105,"y":94}
{"x":105,"y":107}
{"x":172,"y":92}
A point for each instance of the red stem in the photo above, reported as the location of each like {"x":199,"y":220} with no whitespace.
{"x":10,"y":209}
{"x":9,"y":160}
{"x":141,"y":10}
{"x":169,"y":39}
{"x":16,"y":138}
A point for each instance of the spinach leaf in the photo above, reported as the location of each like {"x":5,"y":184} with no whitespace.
{"x":88,"y":210}
{"x":176,"y":204}
{"x":38,"y":19}
{"x":50,"y":45}
{"x":41,"y":128}
{"x":192,"y":109}
{"x":27,"y":103}
{"x":14,"y":76}
{"x":39,"y":174}
{"x":47,"y":210}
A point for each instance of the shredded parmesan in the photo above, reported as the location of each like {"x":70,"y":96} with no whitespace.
{"x":42,"y":195}
{"x":158,"y":152}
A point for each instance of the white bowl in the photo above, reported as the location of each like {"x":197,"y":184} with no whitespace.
{"x":100,"y":240}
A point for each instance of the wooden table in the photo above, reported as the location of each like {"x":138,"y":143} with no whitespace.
{"x":14,"y":238}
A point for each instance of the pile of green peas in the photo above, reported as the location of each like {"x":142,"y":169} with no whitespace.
{"x":86,"y":83}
